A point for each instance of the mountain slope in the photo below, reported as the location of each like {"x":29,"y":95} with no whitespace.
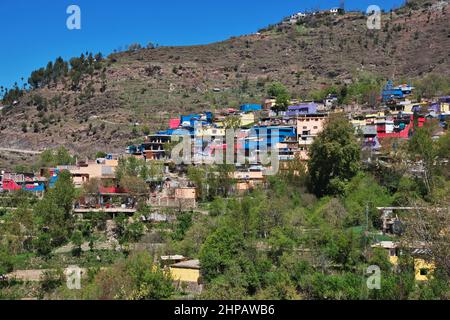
{"x":147,"y":86}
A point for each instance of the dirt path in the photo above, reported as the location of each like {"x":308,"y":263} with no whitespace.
{"x":33,"y":275}
{"x":20,"y":151}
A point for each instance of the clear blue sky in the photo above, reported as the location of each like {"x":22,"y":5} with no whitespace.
{"x":34,"y":31}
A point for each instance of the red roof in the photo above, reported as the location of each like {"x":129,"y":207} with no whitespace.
{"x":174,"y":123}
{"x":113,"y":190}
{"x":11,"y":185}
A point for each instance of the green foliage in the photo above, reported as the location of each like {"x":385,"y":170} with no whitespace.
{"x":431,"y":86}
{"x":363,"y":191}
{"x":366,"y":89}
{"x":77,"y":241}
{"x":136,"y":278}
{"x":100,"y":155}
{"x":184,"y":222}
{"x":278,"y":91}
{"x":52,"y":158}
{"x":212,"y":182}
{"x":334,"y":158}
{"x":332,"y":287}
{"x":54,"y":211}
{"x":43,"y":245}
{"x":221,"y":249}
{"x":6,"y":261}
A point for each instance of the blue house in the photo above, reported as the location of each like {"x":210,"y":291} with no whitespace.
{"x":251,"y":107}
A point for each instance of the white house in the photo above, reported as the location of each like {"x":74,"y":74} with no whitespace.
{"x":334,"y":10}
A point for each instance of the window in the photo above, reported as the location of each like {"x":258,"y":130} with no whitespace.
{"x":423,"y":272}
{"x":316,"y":127}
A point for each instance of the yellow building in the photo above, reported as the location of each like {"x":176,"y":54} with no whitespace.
{"x":247,"y":118}
{"x":391,"y":248}
{"x":82,"y":173}
{"x":423,"y":269}
{"x":186,"y":271}
{"x":210,"y":132}
{"x":445,"y":107}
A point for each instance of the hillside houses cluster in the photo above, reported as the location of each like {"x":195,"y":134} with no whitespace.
{"x":257,"y":128}
{"x":301,"y":15}
{"x":398,"y":116}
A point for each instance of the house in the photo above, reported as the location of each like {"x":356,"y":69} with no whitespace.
{"x":444,"y":105}
{"x":173,"y":194}
{"x":422,"y":267}
{"x":188,"y":273}
{"x":392,"y":249}
{"x":331,"y":101}
{"x":174,"y":123}
{"x":308,"y":127}
{"x":302,"y":109}
{"x":83,"y":172}
{"x":247,"y":180}
{"x":24,"y":181}
{"x":251,"y":107}
{"x":391,"y":93}
{"x":371,"y":141}
{"x":247,"y":118}
{"x":153,"y":147}
{"x":334,"y":11}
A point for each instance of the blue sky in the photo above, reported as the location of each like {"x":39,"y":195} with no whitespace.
{"x":34,"y":31}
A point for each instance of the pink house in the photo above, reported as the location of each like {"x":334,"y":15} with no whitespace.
{"x":174,"y":123}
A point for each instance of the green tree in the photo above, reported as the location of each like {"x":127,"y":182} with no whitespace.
{"x":77,"y":241}
{"x":334,"y":158}
{"x":421,"y":147}
{"x":278,"y":91}
{"x":136,"y":278}
{"x":219,"y":251}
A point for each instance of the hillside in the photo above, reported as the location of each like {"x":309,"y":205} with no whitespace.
{"x":148,"y":86}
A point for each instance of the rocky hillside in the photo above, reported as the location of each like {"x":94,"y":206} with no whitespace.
{"x":147,"y":86}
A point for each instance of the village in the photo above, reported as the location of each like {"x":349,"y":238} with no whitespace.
{"x":256,"y":128}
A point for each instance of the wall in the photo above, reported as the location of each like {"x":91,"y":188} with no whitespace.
{"x":185,"y":275}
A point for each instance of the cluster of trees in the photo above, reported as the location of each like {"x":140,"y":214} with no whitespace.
{"x":58,"y":70}
{"x":9,"y":96}
{"x":364,"y":90}
{"x":38,"y":226}
{"x":49,"y":75}
{"x":133,"y":278}
{"x":133,"y":174}
{"x":52,"y":158}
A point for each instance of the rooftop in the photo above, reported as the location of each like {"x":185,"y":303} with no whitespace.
{"x":190,"y":264}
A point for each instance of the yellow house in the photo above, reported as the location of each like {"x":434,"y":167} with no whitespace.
{"x":423,"y":269}
{"x":210,"y":132}
{"x":247,"y":118}
{"x":445,"y":107}
{"x":186,"y":271}
{"x":83,"y":173}
{"x":392,"y":249}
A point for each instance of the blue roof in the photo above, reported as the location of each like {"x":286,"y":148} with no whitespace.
{"x":251,"y":107}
